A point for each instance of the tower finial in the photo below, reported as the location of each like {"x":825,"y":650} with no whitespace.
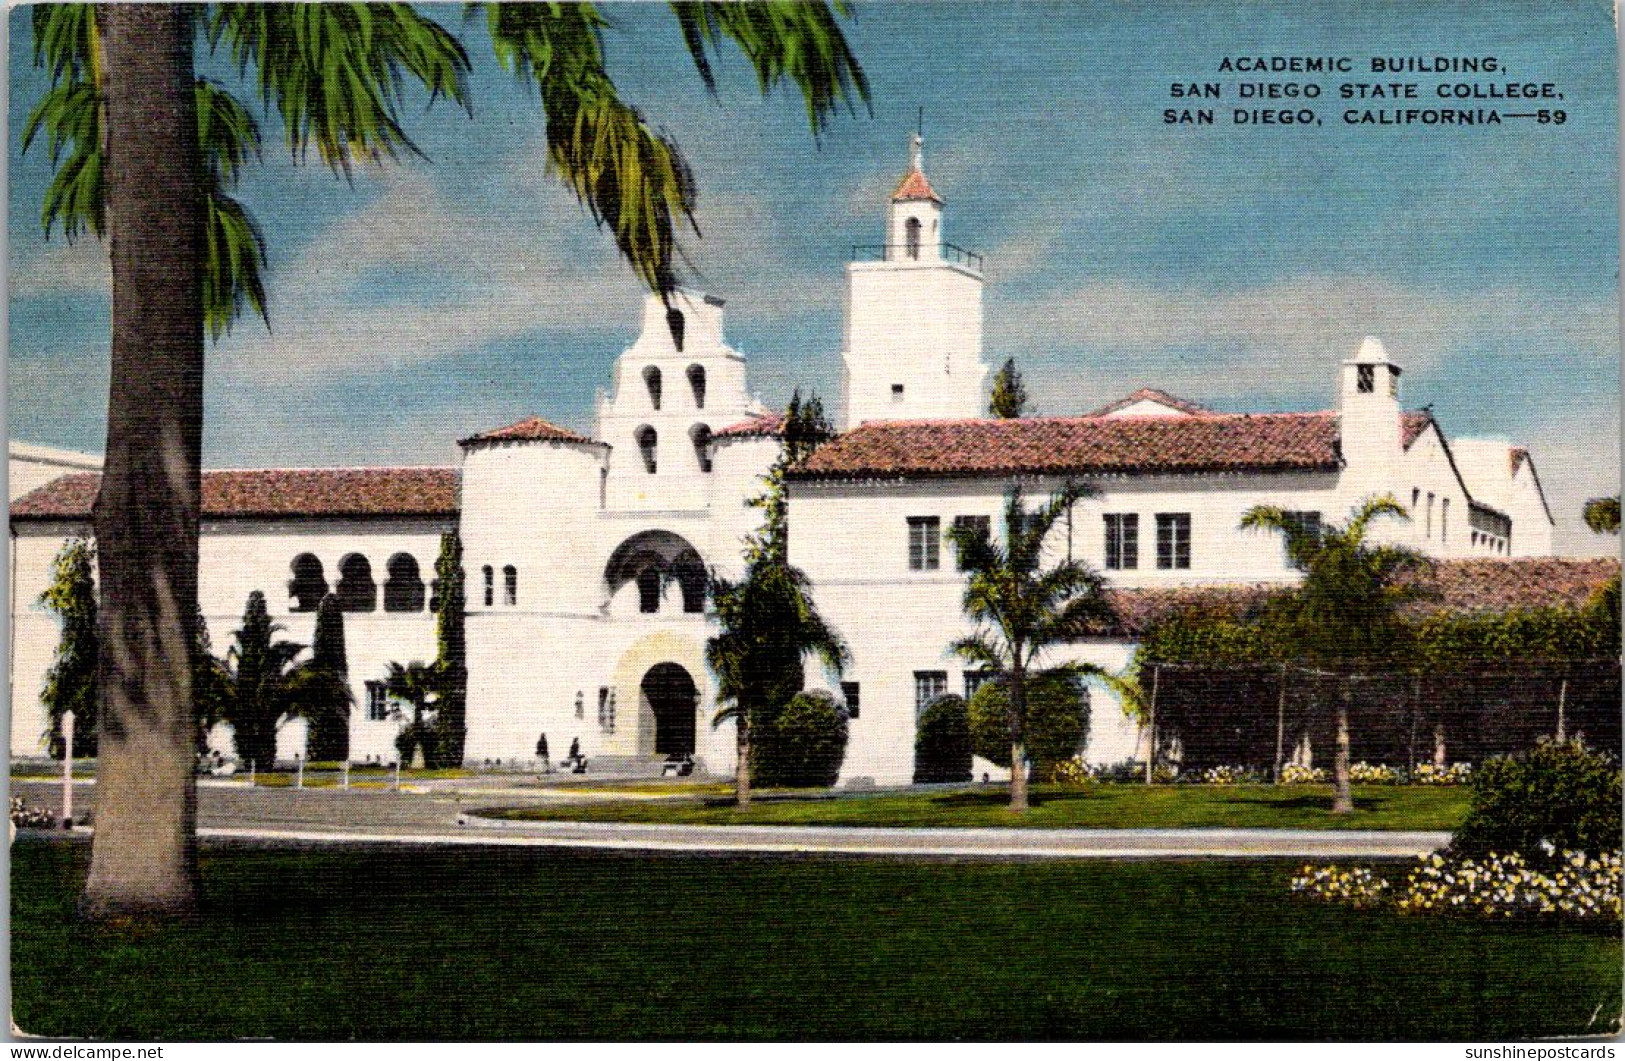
{"x":916,"y":153}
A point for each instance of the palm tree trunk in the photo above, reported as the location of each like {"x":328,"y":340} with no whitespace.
{"x":1018,"y":748}
{"x":144,"y":858}
{"x":742,"y":763}
{"x":1343,"y":796}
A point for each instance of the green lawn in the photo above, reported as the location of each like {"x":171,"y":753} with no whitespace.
{"x":1107,"y":806}
{"x":520,"y":943}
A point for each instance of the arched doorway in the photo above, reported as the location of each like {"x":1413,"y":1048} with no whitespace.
{"x":671,"y":695}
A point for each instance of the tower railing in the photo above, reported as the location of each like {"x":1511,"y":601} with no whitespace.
{"x":899,"y":252}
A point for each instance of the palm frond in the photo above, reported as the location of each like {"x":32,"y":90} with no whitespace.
{"x":981,"y":649}
{"x":797,"y":42}
{"x":69,"y":115}
{"x":631,"y":178}
{"x":336,"y":73}
{"x":1369,"y":510}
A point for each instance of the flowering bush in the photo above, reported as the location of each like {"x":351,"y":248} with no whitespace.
{"x":25,"y":817}
{"x":1454,"y":774}
{"x":1293,"y":774}
{"x":1229,"y":775}
{"x":1363,"y":773}
{"x":1359,"y":887}
{"x":1506,"y":886}
{"x":1579,"y":886}
{"x":1071,"y":771}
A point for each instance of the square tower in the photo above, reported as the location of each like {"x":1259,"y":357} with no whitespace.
{"x":913,"y":344}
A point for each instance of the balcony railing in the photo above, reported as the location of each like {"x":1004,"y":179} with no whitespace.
{"x":901,"y":252}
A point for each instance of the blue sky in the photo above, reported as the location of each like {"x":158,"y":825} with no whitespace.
{"x":1232,"y":265}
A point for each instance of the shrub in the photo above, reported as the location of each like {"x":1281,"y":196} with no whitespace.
{"x":942,"y":745}
{"x":803,"y":746}
{"x":1559,"y":796}
{"x":1057,"y":720}
{"x":1294,"y":774}
{"x":1228,"y":775}
{"x":25,"y":817}
{"x":415,"y":735}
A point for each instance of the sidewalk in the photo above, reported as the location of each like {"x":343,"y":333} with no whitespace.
{"x":903,"y":843}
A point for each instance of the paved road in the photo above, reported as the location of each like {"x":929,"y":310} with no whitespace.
{"x":332,"y":816}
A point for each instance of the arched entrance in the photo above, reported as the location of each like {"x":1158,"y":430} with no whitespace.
{"x":671,"y":695}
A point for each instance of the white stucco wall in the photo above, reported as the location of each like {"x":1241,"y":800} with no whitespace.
{"x":235,"y":558}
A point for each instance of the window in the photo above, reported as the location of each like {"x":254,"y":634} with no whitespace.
{"x":309,"y":585}
{"x":1173,"y":540}
{"x":581,"y":704}
{"x":928,"y":685}
{"x":1307,"y":522}
{"x":979,"y":525}
{"x":1416,"y":495}
{"x":606,"y":709}
{"x":1444,"y":520}
{"x":651,"y":379}
{"x":357,"y":592}
{"x":510,"y":585}
{"x":649,"y":590}
{"x":1367,"y":378}
{"x":1122,"y":541}
{"x":924,"y":543}
{"x":647,"y":440}
{"x":1427,"y":527}
{"x":911,"y":233}
{"x":974,"y":680}
{"x":896,"y":392}
{"x":849,"y":690}
{"x":490,"y":585}
{"x":377,"y":702}
{"x":403,"y":589}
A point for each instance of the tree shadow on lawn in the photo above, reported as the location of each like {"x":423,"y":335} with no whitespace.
{"x":1312,"y":802}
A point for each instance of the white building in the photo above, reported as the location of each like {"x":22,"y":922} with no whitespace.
{"x":586,"y":557}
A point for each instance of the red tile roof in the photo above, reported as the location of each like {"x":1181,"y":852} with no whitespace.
{"x":762,"y":425}
{"x":531,"y":429}
{"x":1450,"y":586}
{"x":1411,"y":426}
{"x":1081,"y":445}
{"x":914,"y":187}
{"x":277,"y":492}
{"x":1152,"y":394}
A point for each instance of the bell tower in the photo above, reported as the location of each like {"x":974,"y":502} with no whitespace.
{"x":913,"y":348}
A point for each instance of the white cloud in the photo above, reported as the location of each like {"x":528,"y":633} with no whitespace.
{"x":1280,"y":338}
{"x":61,"y":268}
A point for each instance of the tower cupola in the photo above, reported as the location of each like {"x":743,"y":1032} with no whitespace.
{"x":914,"y":219}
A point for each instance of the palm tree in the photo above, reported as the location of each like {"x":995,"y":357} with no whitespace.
{"x":257,"y":691}
{"x":422,"y":686}
{"x":146,"y":150}
{"x":1346,"y":610}
{"x":769,"y":626}
{"x":1021,"y":608}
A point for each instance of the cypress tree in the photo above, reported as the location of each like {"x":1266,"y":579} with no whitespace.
{"x":70,"y":684}
{"x":1009,"y":398}
{"x":329,"y":719}
{"x":451,"y":668}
